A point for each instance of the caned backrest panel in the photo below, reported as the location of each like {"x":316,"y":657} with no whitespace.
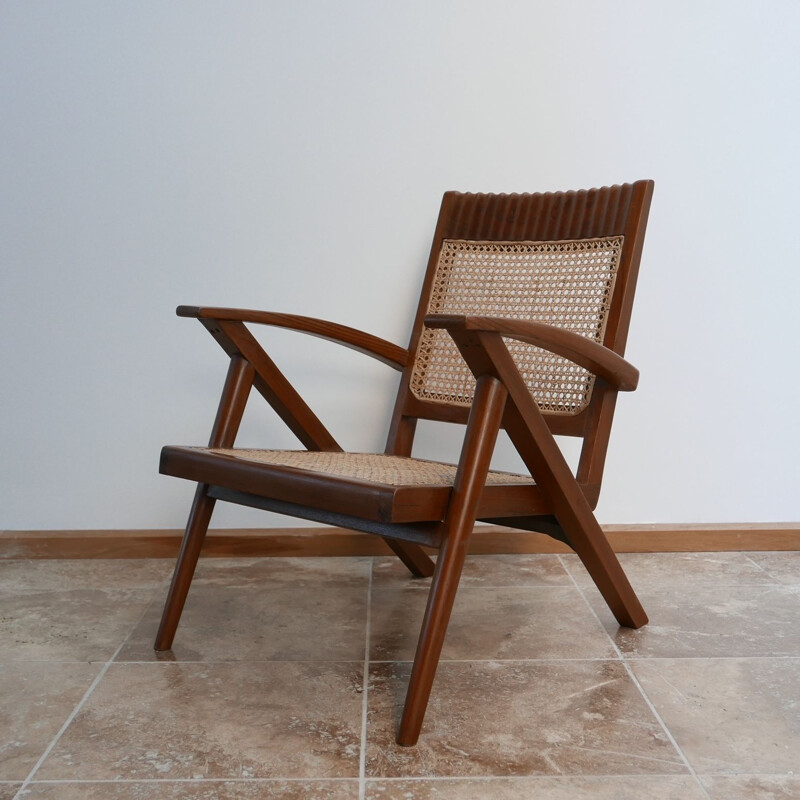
{"x":568,"y":284}
{"x":564,"y":258}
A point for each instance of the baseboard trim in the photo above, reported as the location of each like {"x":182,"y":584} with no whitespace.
{"x":661,"y":538}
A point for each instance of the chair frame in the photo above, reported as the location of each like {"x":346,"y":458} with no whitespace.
{"x":560,"y":503}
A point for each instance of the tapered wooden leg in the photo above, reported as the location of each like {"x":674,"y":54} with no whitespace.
{"x":573,"y":512}
{"x":229,"y":414}
{"x":535,"y":443}
{"x":587,"y":539}
{"x":479,"y":441}
{"x":193,"y":538}
{"x":431,"y":638}
{"x":413,"y":556}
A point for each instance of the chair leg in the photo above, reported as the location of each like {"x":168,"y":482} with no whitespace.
{"x":196,"y":527}
{"x":484,"y":422}
{"x":543,"y":457}
{"x":413,"y":556}
{"x":587,"y":539}
{"x":431,"y":639}
{"x":229,"y":414}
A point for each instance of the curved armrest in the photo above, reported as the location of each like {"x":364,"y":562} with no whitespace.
{"x":590,"y":355}
{"x":366,"y":343}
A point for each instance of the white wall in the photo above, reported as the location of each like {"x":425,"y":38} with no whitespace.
{"x":292,"y":156}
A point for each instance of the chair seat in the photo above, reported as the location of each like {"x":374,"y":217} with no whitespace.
{"x":371,"y":467}
{"x":375,"y":486}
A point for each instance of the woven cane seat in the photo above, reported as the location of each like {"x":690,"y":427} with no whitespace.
{"x":567,"y":284}
{"x":364,"y":485}
{"x":371,"y":467}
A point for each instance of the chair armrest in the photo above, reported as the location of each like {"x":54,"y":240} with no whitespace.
{"x":365,"y":343}
{"x":590,"y":355}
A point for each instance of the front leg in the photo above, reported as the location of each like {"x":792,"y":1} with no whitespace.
{"x":476,"y":455}
{"x":226,"y":425}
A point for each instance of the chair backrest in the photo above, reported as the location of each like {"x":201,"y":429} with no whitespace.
{"x":568,"y":259}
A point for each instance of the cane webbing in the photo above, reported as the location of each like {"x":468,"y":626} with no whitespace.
{"x":567,"y":284}
{"x":372,"y":467}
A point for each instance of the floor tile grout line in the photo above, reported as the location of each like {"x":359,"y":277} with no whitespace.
{"x":750,"y":774}
{"x":642,"y":692}
{"x":156,"y":599}
{"x":576,"y":585}
{"x":362,"y":757}
{"x":471,"y":587}
{"x":668,"y":585}
{"x":710,"y":583}
{"x":234,"y":662}
{"x":394,"y":779}
{"x":663,"y":724}
{"x":397,"y":779}
{"x":573,"y":776}
{"x":540,"y":660}
{"x":68,"y":722}
{"x":198,"y":781}
{"x":80,"y":704}
{"x":445,"y":661}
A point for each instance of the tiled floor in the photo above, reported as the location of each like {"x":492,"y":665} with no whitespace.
{"x":265,"y":695}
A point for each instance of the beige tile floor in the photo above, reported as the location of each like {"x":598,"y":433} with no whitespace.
{"x":288,"y":675}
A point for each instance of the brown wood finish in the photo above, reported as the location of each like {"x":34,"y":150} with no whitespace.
{"x":236,"y":339}
{"x":416,"y":560}
{"x":479,"y":441}
{"x":365,"y":343}
{"x":535,"y":443}
{"x":595,"y":441}
{"x":559,"y":504}
{"x":226,"y":425}
{"x":378,"y":501}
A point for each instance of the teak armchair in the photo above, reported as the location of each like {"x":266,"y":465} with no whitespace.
{"x":521,"y":325}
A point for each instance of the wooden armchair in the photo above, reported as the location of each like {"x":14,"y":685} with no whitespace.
{"x":521,"y":325}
